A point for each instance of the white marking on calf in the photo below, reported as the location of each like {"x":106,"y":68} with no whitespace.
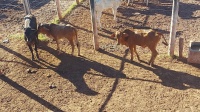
{"x":27,"y":21}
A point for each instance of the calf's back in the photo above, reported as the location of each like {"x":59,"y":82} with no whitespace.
{"x":62,"y":31}
{"x":143,"y":37}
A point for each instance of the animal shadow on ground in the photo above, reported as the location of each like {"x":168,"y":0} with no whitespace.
{"x":169,"y":78}
{"x":33,"y":64}
{"x":176,"y":79}
{"x":115,"y":83}
{"x":74,"y":68}
{"x":29,"y":94}
{"x":184,"y":60}
{"x":15,"y":85}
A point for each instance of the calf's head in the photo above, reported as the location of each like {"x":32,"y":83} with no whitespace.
{"x":44,"y":29}
{"x":121,"y":37}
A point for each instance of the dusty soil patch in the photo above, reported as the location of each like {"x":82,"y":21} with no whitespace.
{"x":104,"y":80}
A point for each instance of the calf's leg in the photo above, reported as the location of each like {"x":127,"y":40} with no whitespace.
{"x":136,"y":53}
{"x":58,"y":47}
{"x":30,"y":48}
{"x":131,"y":50}
{"x":78,"y":46}
{"x":153,"y":56}
{"x":36,"y":50}
{"x":72,"y":45}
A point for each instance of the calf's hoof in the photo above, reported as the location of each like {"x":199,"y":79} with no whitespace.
{"x":32,"y":58}
{"x":139,"y":60}
{"x":37,"y":56}
{"x":100,"y":28}
{"x":151,"y":65}
{"x":59,"y":52}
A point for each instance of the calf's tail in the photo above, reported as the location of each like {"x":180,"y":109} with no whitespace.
{"x":164,"y":42}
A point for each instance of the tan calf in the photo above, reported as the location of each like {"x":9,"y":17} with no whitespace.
{"x":145,"y":38}
{"x":58,"y":32}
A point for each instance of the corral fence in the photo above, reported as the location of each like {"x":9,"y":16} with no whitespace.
{"x":12,"y":14}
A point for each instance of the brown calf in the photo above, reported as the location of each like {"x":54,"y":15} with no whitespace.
{"x":58,"y":32}
{"x":145,"y":38}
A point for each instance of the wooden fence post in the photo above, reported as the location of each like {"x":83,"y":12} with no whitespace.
{"x":94,"y":25}
{"x":173,"y":27}
{"x":58,"y":9}
{"x":181,"y":44}
{"x":26,"y":7}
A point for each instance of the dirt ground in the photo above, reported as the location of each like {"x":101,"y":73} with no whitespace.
{"x":104,"y":80}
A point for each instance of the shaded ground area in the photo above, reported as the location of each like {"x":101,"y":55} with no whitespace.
{"x":104,"y":80}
